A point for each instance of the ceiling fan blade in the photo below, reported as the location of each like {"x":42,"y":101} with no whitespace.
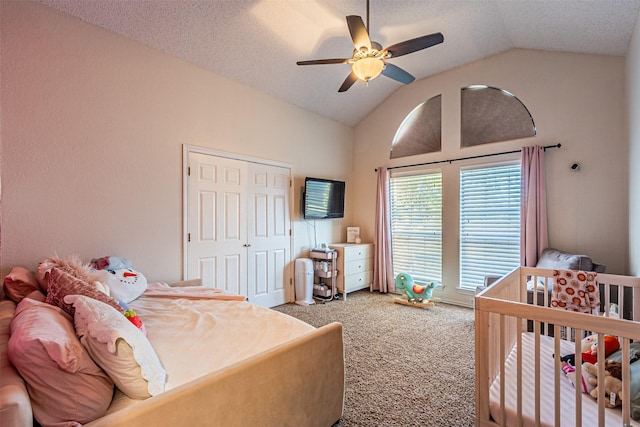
{"x":349,"y":81}
{"x":413,"y":45}
{"x":324,"y":61}
{"x":358,"y":32}
{"x":398,"y":74}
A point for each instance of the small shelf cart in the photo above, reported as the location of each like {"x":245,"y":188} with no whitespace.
{"x":324,"y":267}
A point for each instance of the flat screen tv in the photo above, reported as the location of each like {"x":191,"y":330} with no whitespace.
{"x":323,"y":198}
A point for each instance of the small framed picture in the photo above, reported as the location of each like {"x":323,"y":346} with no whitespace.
{"x":353,"y":233}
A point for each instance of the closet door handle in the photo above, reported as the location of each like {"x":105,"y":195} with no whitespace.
{"x":246,"y":245}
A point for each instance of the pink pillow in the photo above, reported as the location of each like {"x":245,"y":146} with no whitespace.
{"x":72,"y":265}
{"x":62,"y":284}
{"x":19,"y":283}
{"x":65,"y":385}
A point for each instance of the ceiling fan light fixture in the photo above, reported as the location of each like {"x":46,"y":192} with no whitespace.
{"x":368,"y":68}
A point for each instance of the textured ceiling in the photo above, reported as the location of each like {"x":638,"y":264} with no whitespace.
{"x":257,"y":42}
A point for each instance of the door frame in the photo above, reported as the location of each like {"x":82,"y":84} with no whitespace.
{"x":186,"y":150}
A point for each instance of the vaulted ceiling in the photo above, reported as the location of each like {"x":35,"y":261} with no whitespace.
{"x":257,"y":42}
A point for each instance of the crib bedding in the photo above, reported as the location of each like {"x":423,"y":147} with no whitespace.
{"x":613,"y":417}
{"x":195,"y":335}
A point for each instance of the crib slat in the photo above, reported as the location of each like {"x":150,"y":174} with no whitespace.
{"x":600,"y":356}
{"x":482,"y":366}
{"x":519,"y":372}
{"x":607,"y":298}
{"x":556,"y":385}
{"x":536,"y":330}
{"x":621,"y":302}
{"x":503,"y":357}
{"x":578,"y":351}
{"x":626,"y":382}
{"x":636,"y":304}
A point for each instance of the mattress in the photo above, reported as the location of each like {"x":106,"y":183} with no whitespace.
{"x":194,"y":336}
{"x":613,"y":417}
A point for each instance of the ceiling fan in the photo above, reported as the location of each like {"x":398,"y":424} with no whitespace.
{"x":369,"y":58}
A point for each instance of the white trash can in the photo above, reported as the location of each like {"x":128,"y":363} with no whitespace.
{"x":304,"y":281}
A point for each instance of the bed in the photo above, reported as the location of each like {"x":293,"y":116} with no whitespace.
{"x":227,"y":363}
{"x":519,"y":348}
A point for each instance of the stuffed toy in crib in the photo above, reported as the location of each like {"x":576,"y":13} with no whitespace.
{"x":585,"y":385}
{"x":589,"y":358}
{"x":612,"y":383}
{"x":590,"y":349}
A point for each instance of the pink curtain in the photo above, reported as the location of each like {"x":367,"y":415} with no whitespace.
{"x":382,"y":260}
{"x":533,"y":210}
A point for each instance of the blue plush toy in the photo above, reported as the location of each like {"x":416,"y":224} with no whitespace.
{"x":414,"y":292}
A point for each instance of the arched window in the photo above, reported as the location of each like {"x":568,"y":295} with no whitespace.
{"x":490,"y":114}
{"x":420,"y":132}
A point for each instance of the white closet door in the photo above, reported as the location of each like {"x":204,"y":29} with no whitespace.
{"x":238,"y":223}
{"x":268,"y":234}
{"x":217,"y":222}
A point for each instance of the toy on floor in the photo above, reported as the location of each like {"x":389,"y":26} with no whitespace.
{"x":414,"y":295}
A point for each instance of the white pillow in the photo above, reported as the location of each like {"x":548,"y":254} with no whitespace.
{"x":118,"y":347}
{"x":126,"y":284}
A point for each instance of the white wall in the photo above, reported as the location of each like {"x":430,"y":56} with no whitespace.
{"x":576,"y":100}
{"x":92,"y":131}
{"x":633,"y":96}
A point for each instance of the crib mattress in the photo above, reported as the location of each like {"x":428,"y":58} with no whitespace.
{"x":613,"y":417}
{"x":193,"y":337}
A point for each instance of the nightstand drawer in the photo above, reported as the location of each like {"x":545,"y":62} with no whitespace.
{"x":358,"y":252}
{"x":358,"y":281}
{"x":358,"y":266}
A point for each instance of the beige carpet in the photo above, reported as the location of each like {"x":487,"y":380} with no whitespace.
{"x":405,"y":366}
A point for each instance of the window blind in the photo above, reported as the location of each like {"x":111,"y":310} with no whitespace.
{"x":489,"y":222}
{"x":416,"y":225}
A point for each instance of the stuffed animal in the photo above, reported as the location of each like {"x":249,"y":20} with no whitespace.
{"x":133,"y":317}
{"x":611,"y":344}
{"x":570,"y":372}
{"x":590,"y":349}
{"x":612,"y":384}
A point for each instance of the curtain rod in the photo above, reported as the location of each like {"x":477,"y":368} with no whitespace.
{"x":468,"y":158}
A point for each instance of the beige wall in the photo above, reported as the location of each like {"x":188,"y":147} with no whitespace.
{"x":633,"y":94}
{"x":92,"y":131}
{"x":576,"y":100}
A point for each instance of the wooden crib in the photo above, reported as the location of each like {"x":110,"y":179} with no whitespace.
{"x":527,"y":387}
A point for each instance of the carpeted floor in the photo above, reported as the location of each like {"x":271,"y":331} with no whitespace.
{"x":405,"y":366}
